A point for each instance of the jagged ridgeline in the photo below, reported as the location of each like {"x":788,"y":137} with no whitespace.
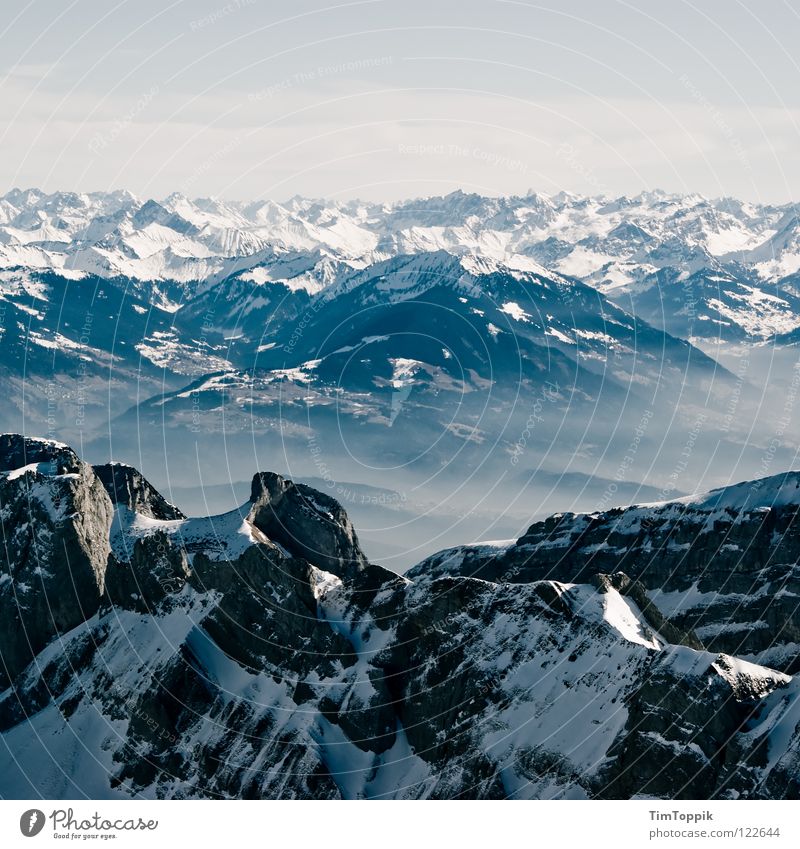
{"x":646,"y":651}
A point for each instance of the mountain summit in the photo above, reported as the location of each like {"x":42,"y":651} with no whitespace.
{"x":258,"y":654}
{"x":738,"y":261}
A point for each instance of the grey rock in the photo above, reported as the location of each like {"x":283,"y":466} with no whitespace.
{"x":56,"y":518}
{"x":724,"y":573}
{"x":287,"y":666}
{"x":126,"y":486}
{"x":308,"y":523}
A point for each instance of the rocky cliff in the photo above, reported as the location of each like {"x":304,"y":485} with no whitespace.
{"x":258,"y":654}
{"x":721,"y":568}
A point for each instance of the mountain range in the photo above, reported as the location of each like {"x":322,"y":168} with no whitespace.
{"x":735,"y":262}
{"x":474,"y":354}
{"x":647,"y":652}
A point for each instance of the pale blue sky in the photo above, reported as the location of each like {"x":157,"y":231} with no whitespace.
{"x":386,"y":99}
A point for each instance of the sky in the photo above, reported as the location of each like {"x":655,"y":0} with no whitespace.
{"x":379,"y":99}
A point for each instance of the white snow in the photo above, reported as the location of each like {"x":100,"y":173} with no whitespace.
{"x":221,"y":537}
{"x":557,"y":334}
{"x":515,"y":311}
{"x":403,"y":371}
{"x":323,"y":582}
{"x":623,"y":615}
{"x":31,"y":467}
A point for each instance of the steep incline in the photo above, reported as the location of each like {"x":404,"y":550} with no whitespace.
{"x":258,"y":654}
{"x":724,"y":565}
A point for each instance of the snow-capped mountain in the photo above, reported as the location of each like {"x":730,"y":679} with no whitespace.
{"x":442,"y":348}
{"x":731,"y":264}
{"x":259,"y":654}
{"x":425,"y":361}
{"x":455,"y":344}
{"x":721,"y":567}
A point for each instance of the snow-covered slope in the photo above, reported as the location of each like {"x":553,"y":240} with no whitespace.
{"x":434,"y":360}
{"x":622,"y":245}
{"x":722,"y":566}
{"x":259,"y":655}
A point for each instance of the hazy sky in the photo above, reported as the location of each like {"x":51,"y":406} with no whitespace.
{"x":384,"y":99}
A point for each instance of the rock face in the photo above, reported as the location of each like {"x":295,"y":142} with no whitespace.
{"x":56,"y":518}
{"x":259,"y":654}
{"x":306,"y":522}
{"x":126,"y":486}
{"x":20,"y":452}
{"x":721,"y":568}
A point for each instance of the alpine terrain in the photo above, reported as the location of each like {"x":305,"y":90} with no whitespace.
{"x":648,"y":651}
{"x":410,"y":357}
